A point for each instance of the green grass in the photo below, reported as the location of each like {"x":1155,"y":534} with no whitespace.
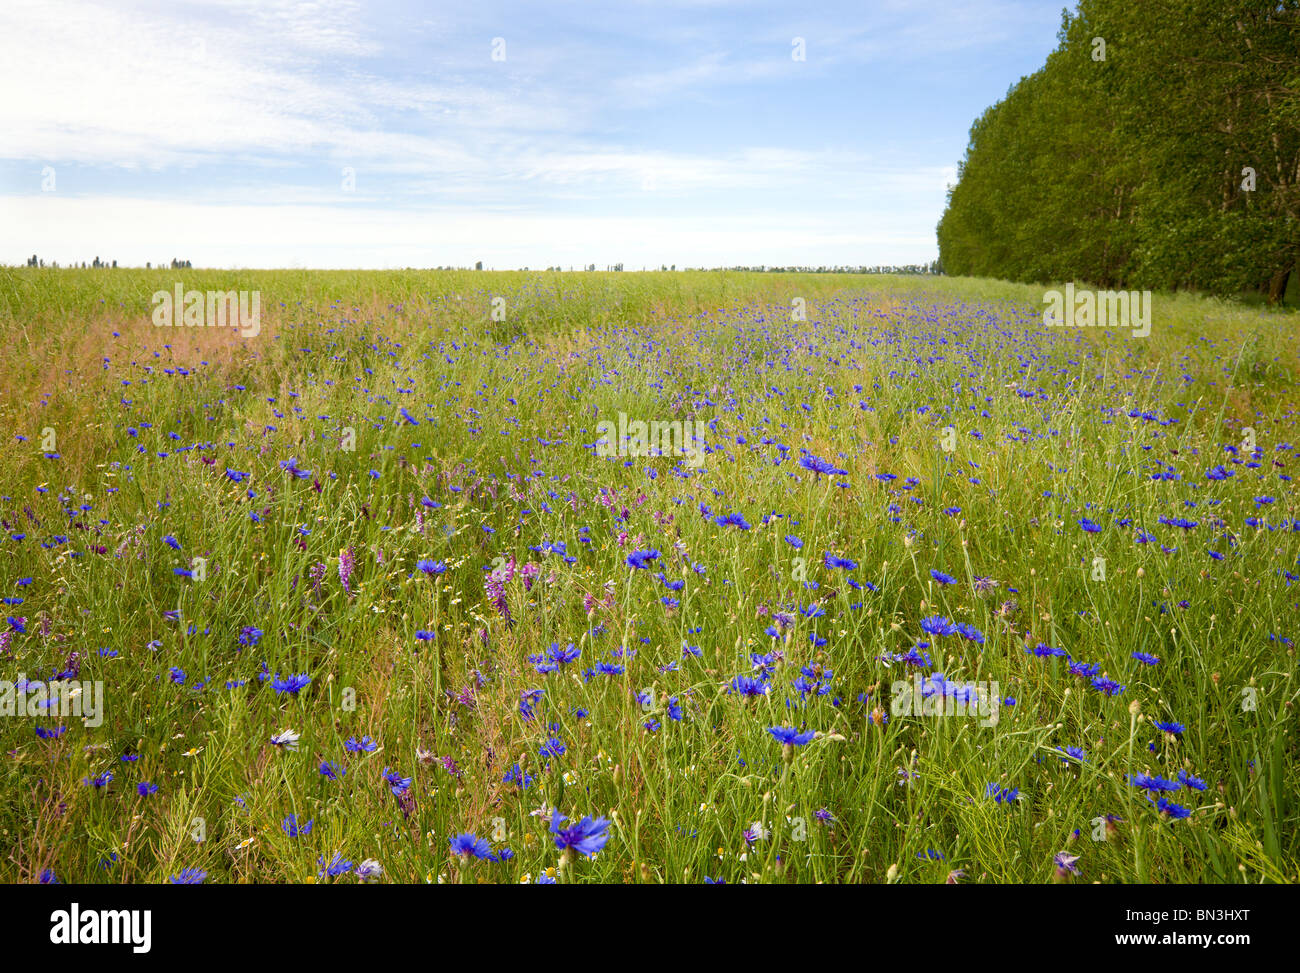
{"x":1042,"y":437}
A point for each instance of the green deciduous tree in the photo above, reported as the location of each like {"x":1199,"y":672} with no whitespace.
{"x":1159,"y":146}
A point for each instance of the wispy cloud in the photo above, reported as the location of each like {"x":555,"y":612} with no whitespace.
{"x":656,"y":113}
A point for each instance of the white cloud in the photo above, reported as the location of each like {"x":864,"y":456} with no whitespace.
{"x":141,"y":87}
{"x":256,"y":106}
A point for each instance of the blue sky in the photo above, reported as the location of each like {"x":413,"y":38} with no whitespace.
{"x":647,"y":133}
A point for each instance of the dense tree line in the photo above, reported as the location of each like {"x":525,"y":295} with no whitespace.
{"x":1158,"y":147}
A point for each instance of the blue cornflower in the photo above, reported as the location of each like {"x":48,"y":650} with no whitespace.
{"x":1175,"y":811}
{"x":586,"y":837}
{"x":1153,"y":783}
{"x":1002,"y":795}
{"x":789,"y":736}
{"x":732,"y":520}
{"x":1107,"y":687}
{"x":292,"y":685}
{"x":816,"y":464}
{"x":470,"y":846}
{"x":641,"y":559}
{"x":517,"y":776}
{"x":554,"y":657}
{"x":938,"y":625}
{"x":293,"y":829}
{"x":749,"y":686}
{"x":1190,"y":782}
{"x":338,"y":866}
{"x":396,"y":782}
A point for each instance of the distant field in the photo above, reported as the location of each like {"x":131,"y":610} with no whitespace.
{"x":1019,"y":602}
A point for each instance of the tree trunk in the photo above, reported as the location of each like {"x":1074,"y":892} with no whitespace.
{"x":1277,"y":285}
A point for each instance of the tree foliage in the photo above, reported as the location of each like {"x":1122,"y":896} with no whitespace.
{"x":1158,"y":147}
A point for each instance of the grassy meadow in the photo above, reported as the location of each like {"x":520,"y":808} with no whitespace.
{"x":367,"y":583}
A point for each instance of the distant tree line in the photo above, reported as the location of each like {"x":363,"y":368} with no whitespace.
{"x":1158,"y":147}
{"x":934,"y":267}
{"x":34,"y":261}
